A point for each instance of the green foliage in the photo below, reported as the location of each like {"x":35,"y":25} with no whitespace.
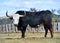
{"x":5,"y":21}
{"x":53,"y":15}
{"x":33,"y":9}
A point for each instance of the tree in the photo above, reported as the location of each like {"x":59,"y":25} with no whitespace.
{"x":53,"y":14}
{"x":53,"y":10}
{"x":33,"y":9}
{"x":58,"y":11}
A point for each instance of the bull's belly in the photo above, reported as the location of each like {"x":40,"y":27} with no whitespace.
{"x":34,"y":26}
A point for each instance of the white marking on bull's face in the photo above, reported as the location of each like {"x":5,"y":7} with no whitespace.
{"x":16,"y":18}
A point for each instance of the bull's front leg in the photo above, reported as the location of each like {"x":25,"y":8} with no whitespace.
{"x":23,"y":32}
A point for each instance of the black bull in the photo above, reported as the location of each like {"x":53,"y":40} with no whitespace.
{"x":34,"y":19}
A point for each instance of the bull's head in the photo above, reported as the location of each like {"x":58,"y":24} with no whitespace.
{"x":14,"y":17}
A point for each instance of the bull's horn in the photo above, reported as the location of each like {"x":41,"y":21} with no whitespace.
{"x":7,"y":14}
{"x":25,"y":12}
{"x":21,"y":15}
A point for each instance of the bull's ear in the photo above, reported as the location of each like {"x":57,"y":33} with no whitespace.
{"x":11,"y":18}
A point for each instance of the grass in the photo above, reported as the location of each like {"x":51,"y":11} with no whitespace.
{"x":29,"y":38}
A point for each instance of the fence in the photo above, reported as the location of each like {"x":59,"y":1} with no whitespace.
{"x":8,"y":28}
{"x":12,"y":28}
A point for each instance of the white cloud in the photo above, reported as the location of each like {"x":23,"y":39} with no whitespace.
{"x":11,"y":4}
{"x":30,"y":4}
{"x":14,"y":5}
{"x":49,"y":4}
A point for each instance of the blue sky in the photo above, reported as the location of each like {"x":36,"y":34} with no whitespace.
{"x":14,"y":5}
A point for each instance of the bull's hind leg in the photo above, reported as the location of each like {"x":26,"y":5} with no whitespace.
{"x":46,"y":30}
{"x":51,"y":30}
